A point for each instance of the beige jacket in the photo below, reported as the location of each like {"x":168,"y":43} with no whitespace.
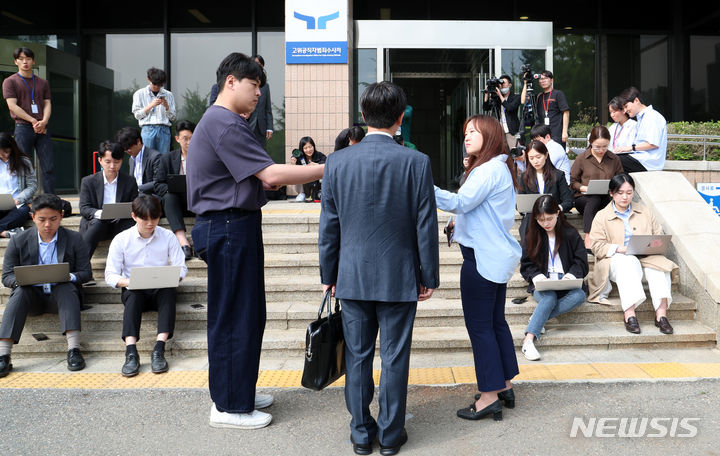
{"x":608,"y":229}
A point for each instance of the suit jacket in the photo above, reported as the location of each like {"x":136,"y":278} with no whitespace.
{"x":261,"y":119}
{"x":92,"y":190}
{"x":560,"y":190}
{"x":169,"y":163}
{"x":572,"y":254}
{"x":378,"y":236}
{"x":511,"y":106}
{"x":23,"y":248}
{"x":150,"y":162}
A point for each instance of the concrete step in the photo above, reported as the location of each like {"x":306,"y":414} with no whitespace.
{"x":290,"y":343}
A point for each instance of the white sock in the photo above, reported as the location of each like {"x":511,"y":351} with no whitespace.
{"x":5,"y":347}
{"x":73,"y":339}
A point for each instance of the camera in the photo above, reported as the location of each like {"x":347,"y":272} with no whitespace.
{"x":528,"y":74}
{"x":297,"y":153}
{"x":493,"y":84}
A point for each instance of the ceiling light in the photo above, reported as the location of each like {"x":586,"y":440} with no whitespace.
{"x":524,"y":18}
{"x":199,"y":16}
{"x":15,"y":18}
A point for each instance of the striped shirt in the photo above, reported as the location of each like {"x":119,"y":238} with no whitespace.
{"x":157,"y":115}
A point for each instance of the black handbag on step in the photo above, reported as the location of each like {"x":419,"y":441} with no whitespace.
{"x":324,"y":348}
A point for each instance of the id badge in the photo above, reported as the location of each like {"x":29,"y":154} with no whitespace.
{"x":46,"y":288}
{"x":547,"y":121}
{"x":554,"y":276}
{"x":34,"y":108}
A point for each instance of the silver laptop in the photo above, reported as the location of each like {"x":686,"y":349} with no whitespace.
{"x":42,"y":273}
{"x":176,"y":183}
{"x":525,"y":202}
{"x":559,"y":285}
{"x":151,"y":277}
{"x":7,"y":202}
{"x":648,"y":244}
{"x":598,"y":187}
{"x":112,"y":211}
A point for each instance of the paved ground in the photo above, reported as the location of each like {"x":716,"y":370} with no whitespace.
{"x":59,"y":422}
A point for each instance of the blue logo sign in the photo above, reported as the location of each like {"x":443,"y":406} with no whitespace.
{"x":321,"y":22}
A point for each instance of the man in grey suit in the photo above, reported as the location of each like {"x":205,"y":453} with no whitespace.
{"x":261,"y":119}
{"x":378,"y":245}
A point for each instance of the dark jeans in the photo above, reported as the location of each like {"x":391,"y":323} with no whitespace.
{"x":483,"y":305}
{"x":138,"y":301}
{"x":29,"y":141}
{"x":631,"y":164}
{"x":14,"y":217}
{"x":589,"y":206}
{"x":231,"y":244}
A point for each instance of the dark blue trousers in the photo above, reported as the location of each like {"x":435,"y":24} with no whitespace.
{"x":231,"y":244}
{"x":30,"y":142}
{"x":483,"y":305}
{"x":361,"y":321}
{"x":14,"y":217}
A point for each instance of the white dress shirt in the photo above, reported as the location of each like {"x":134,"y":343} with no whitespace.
{"x":130,"y":250}
{"x":157,"y":115}
{"x":8,"y":180}
{"x":652,"y":129}
{"x":622,"y":135}
{"x":109,"y":193}
{"x":559,"y":158}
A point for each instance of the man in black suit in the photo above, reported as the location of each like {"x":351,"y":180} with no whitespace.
{"x":508,"y":108}
{"x":378,"y":245}
{"x":261,"y":119}
{"x":175,"y":204}
{"x":110,"y":185}
{"x":45,"y":243}
{"x":143,"y":161}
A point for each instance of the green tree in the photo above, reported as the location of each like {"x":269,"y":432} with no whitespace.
{"x":574,"y":68}
{"x":193,"y":105}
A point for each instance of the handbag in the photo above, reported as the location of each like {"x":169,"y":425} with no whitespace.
{"x":324,"y":348}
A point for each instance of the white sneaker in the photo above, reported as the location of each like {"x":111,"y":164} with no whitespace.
{"x":263,"y":400}
{"x":253,"y":420}
{"x":530,"y":352}
{"x":300,"y":198}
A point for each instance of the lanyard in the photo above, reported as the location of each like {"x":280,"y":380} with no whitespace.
{"x":32,"y":93}
{"x":138,"y":164}
{"x":47,"y":259}
{"x":547,"y":106}
{"x":552,"y":258}
{"x":616,"y":134}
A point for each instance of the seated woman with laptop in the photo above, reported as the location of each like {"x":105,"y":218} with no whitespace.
{"x":552,"y":251}
{"x":141,"y":246}
{"x":17,"y":179}
{"x":610,"y":235}
{"x":596,"y":163}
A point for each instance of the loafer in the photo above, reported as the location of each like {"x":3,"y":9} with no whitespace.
{"x":507,"y":397}
{"x":253,"y":420}
{"x":632,"y":325}
{"x":5,"y":365}
{"x":188,"y":251}
{"x":470,"y":413}
{"x":394,"y":449}
{"x":158,"y":364}
{"x":664,"y":325}
{"x":263,"y":400}
{"x":75,"y":360}
{"x":132,"y":365}
{"x":361,"y":448}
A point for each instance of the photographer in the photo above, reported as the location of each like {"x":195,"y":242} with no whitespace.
{"x":508,"y":103}
{"x":552,"y":106}
{"x":307,"y":154}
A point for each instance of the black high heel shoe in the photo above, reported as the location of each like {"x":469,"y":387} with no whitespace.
{"x":470,"y":413}
{"x":507,"y":396}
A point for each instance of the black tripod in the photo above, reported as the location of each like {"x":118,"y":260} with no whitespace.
{"x":529,"y":112}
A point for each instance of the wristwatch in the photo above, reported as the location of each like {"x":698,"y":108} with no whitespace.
{"x":633,"y":148}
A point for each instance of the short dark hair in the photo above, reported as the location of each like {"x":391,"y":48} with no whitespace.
{"x":547,"y":73}
{"x":356,"y":133}
{"x":505,"y":76}
{"x":116,"y":150}
{"x":619,"y":179}
{"x":617,"y":104}
{"x":47,"y":201}
{"x":184,"y":125}
{"x":240,"y":66}
{"x":540,"y":130}
{"x":128,"y":137}
{"x":23,"y":50}
{"x":147,"y":206}
{"x":630,"y":94}
{"x":382,"y":103}
{"x":156,"y":76}
{"x":259,"y":59}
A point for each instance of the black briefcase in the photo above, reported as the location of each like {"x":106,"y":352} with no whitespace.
{"x":324,"y":348}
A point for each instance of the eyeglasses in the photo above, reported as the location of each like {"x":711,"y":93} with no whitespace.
{"x":599,"y":148}
{"x":543,"y":78}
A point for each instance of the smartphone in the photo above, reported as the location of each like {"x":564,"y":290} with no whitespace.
{"x":40,"y":336}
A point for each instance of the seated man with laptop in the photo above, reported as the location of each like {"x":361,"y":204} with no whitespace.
{"x":620,"y":258}
{"x":170,"y":185}
{"x":132,"y":253}
{"x":101,"y":194}
{"x":45,"y":267}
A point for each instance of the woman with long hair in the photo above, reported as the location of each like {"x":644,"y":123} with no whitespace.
{"x":552,"y":250}
{"x":485,"y":208}
{"x":309,"y":156}
{"x":18,"y":179}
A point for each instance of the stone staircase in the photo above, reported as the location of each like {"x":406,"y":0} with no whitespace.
{"x":293,"y":293}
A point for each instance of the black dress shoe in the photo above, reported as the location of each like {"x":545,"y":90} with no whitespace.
{"x":394,"y":449}
{"x":470,"y":413}
{"x":5,"y":365}
{"x":361,"y":448}
{"x":188,"y":251}
{"x":158,"y":363}
{"x":664,"y":325}
{"x":75,"y":360}
{"x":132,"y":365}
{"x":632,"y":325}
{"x":507,"y":397}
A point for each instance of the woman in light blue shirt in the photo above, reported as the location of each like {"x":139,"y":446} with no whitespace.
{"x":485,"y":208}
{"x":17,"y":178}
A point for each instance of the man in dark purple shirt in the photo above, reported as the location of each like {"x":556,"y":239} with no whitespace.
{"x":227,"y":172}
